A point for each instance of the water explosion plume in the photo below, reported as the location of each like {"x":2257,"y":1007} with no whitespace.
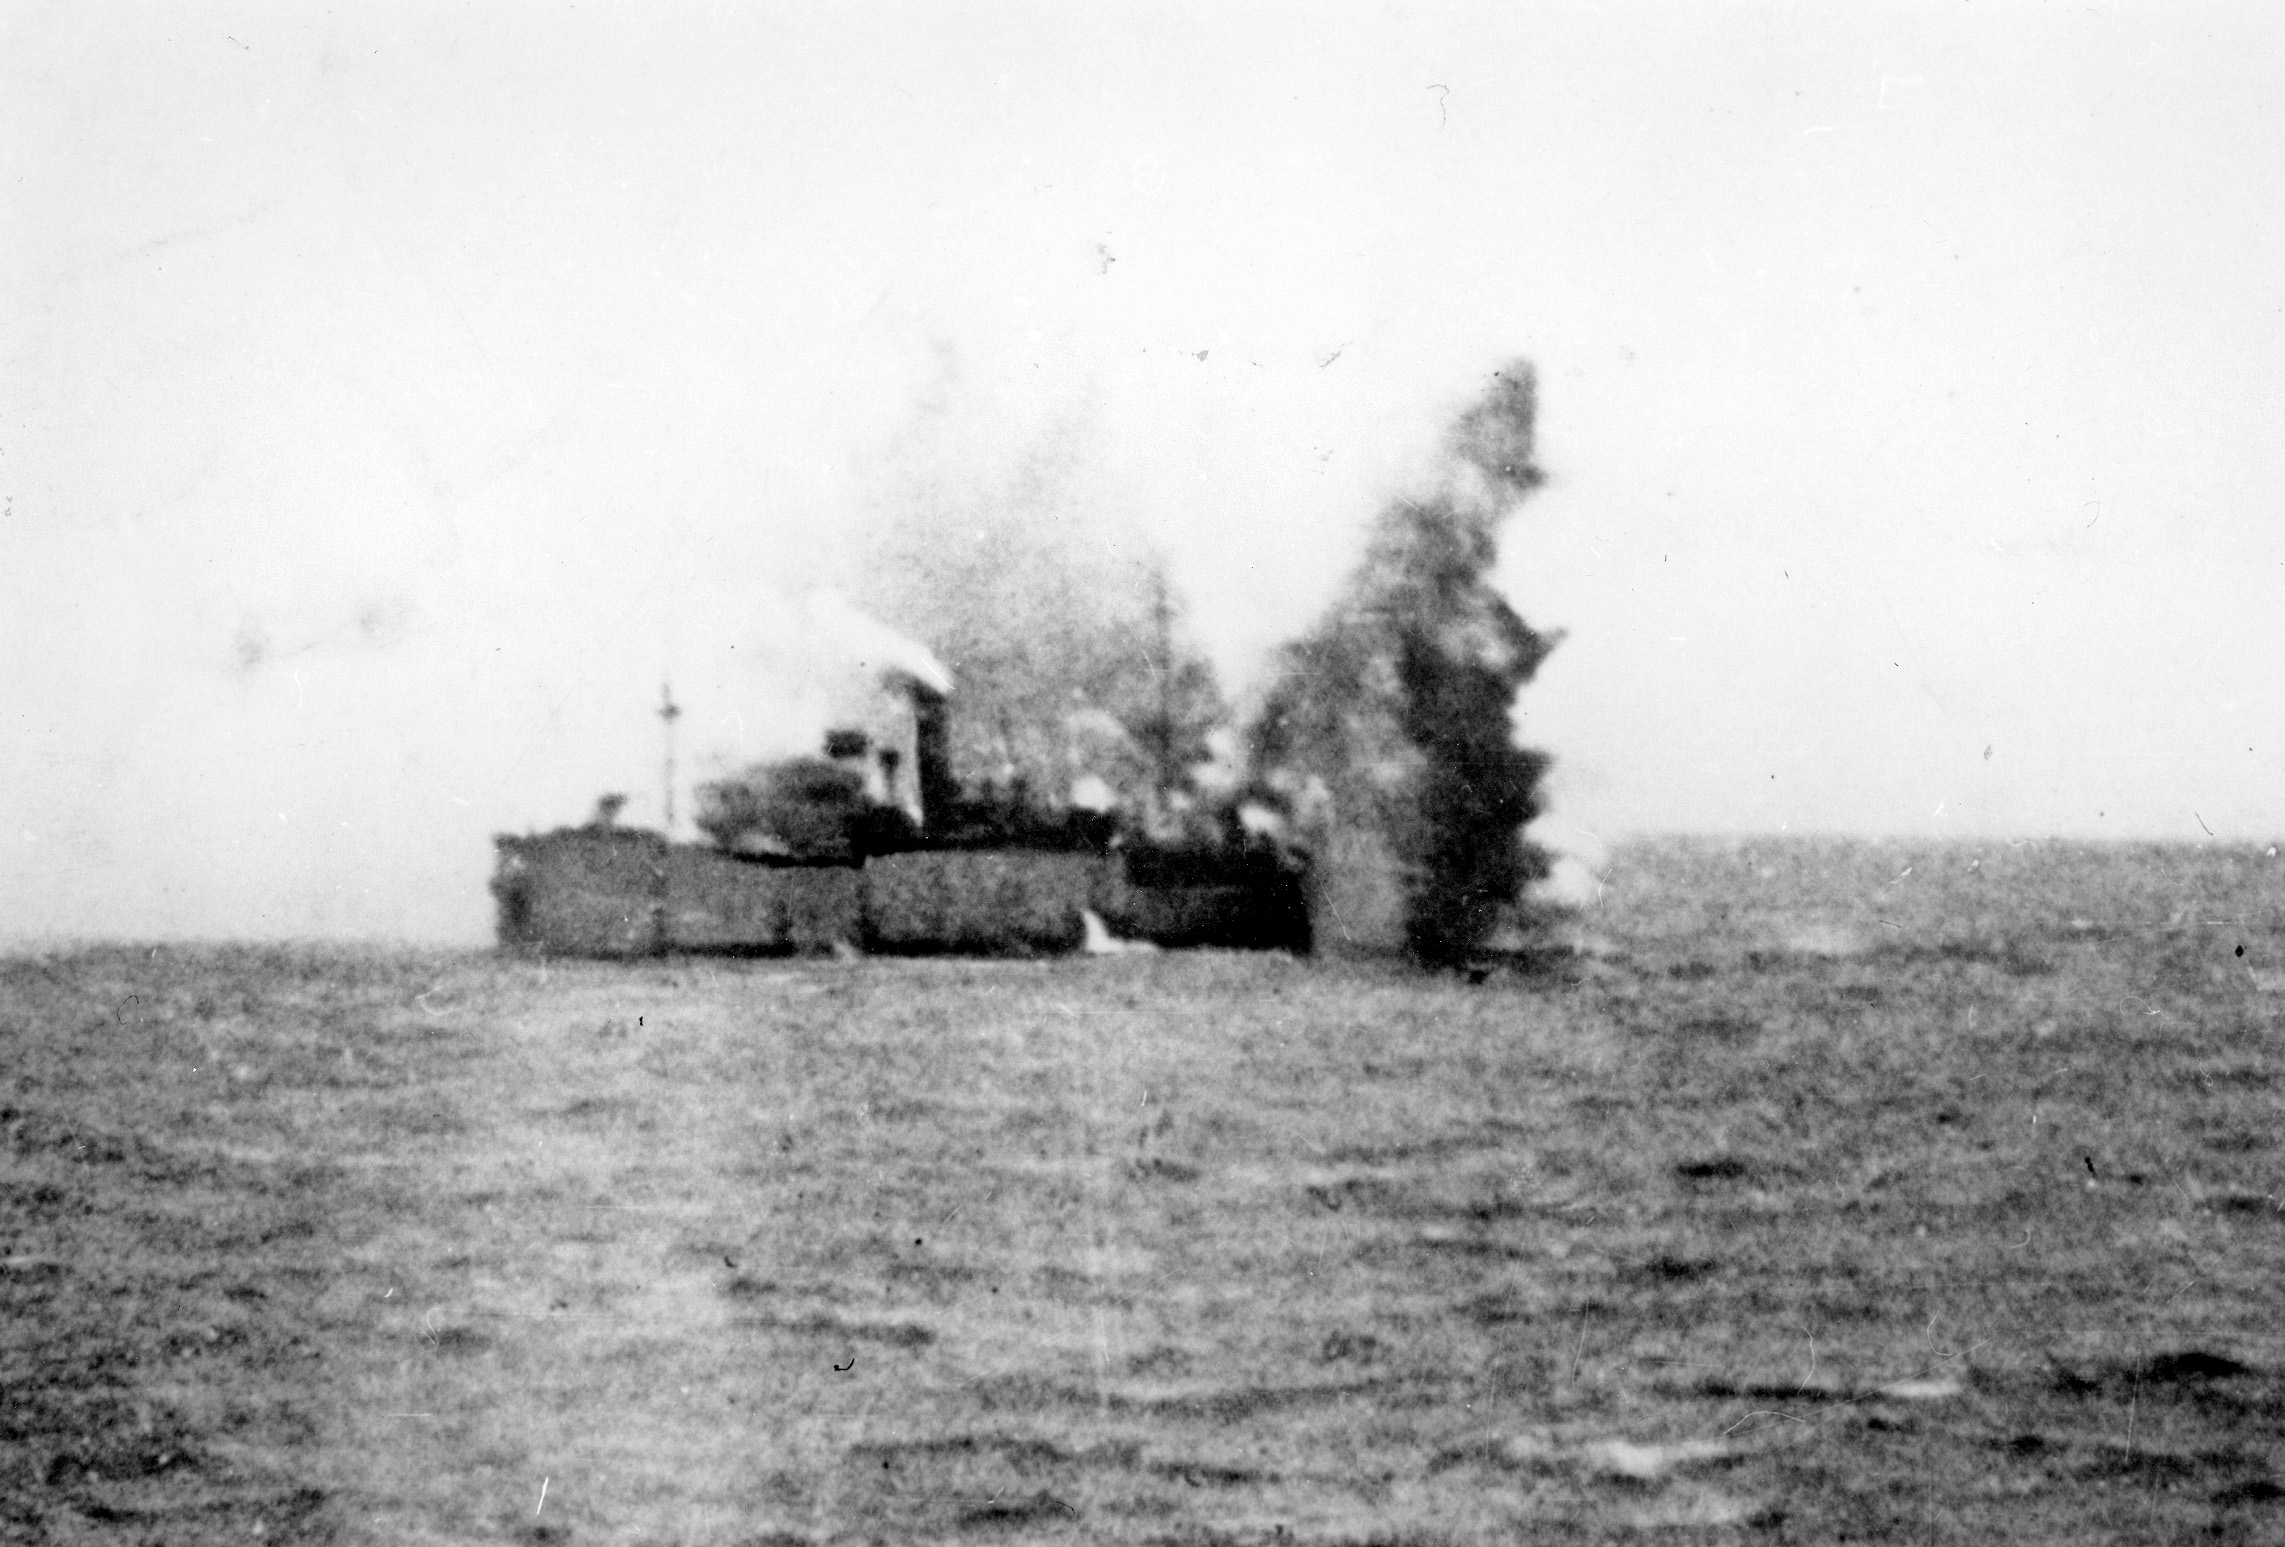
{"x":1398,"y":704}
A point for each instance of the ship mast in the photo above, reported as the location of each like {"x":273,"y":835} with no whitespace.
{"x":1162,"y":614}
{"x":669,"y":712}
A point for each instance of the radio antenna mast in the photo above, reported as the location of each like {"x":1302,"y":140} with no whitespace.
{"x":669,"y":712}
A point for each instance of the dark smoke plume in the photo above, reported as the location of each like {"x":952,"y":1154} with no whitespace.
{"x":1399,"y":701}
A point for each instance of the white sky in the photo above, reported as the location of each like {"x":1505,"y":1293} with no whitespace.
{"x":393,"y":394}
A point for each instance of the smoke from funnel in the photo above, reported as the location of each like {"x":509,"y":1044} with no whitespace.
{"x":1050,"y":609}
{"x":1399,"y":702}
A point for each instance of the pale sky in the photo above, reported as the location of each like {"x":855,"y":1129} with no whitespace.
{"x":394,"y":395}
